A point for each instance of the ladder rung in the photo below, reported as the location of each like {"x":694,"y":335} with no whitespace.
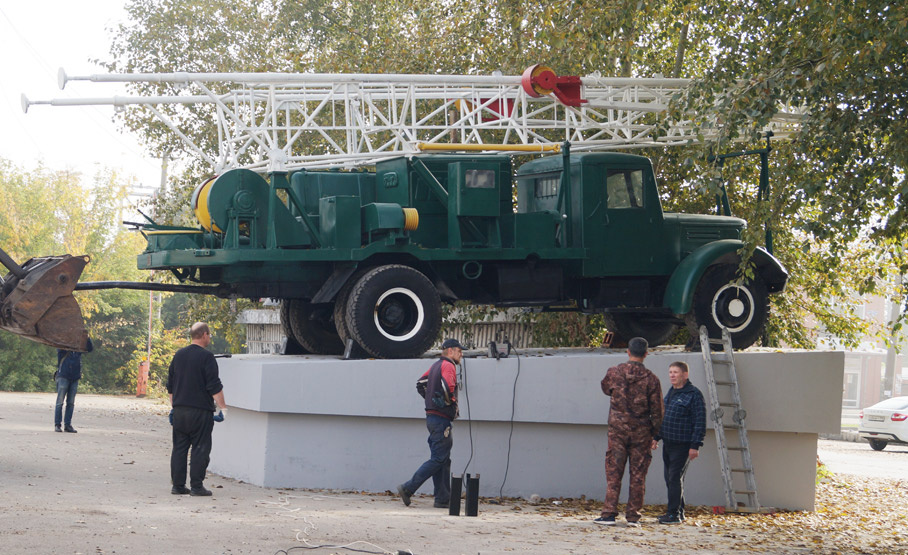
{"x":721,"y":357}
{"x":742,"y":470}
{"x":714,"y":341}
{"x":736,"y":448}
{"x":724,"y":383}
{"x":745,"y":492}
{"x":728,"y":404}
{"x":732,"y":426}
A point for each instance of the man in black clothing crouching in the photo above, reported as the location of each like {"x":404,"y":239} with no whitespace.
{"x":194,"y":388}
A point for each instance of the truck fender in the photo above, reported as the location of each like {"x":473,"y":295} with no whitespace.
{"x":679,"y":293}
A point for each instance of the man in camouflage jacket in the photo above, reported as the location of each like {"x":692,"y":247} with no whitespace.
{"x":635,"y":417}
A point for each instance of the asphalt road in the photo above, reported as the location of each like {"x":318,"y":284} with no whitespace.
{"x":858,"y":459}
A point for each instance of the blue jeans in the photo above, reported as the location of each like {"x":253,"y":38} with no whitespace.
{"x":65,"y":389}
{"x":438,"y":467}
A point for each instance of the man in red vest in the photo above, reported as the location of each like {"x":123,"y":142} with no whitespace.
{"x":441,"y":410}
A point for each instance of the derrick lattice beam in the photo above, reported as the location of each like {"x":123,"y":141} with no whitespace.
{"x":274,"y":121}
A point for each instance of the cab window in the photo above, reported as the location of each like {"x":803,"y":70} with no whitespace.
{"x":480,"y":179}
{"x":625,"y":188}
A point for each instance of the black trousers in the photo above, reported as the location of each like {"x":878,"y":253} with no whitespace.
{"x":191,"y":428}
{"x":674,"y":457}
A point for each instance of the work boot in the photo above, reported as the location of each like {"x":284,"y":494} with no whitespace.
{"x":200,"y":492}
{"x":69,"y":428}
{"x":179,"y":490}
{"x":404,"y":496}
{"x":58,"y":428}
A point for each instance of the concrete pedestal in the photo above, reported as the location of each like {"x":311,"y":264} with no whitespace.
{"x":319,"y":422}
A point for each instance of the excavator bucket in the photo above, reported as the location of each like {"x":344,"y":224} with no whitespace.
{"x":36,"y":301}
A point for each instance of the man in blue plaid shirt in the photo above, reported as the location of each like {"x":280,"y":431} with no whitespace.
{"x":683,"y":428}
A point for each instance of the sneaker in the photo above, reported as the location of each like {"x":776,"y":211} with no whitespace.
{"x":404,"y":496}
{"x":669,"y":519}
{"x":179,"y":490}
{"x":58,"y":428}
{"x":69,"y":428}
{"x":605,"y":520}
{"x":200,"y":492}
{"x":633,"y":524}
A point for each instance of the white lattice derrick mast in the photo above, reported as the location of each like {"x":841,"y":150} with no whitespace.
{"x":277,"y":121}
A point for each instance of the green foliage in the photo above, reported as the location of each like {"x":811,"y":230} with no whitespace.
{"x":838,"y":185}
{"x":44,"y":212}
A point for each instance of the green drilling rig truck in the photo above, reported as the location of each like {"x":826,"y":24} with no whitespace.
{"x":363,"y":260}
{"x":370,"y":256}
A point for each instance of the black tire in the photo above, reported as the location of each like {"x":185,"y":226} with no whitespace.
{"x":293,"y":346}
{"x":340,"y":316}
{"x":742,"y":308}
{"x":313,"y":327}
{"x":626,"y":326}
{"x":878,"y":444}
{"x":394,"y":311}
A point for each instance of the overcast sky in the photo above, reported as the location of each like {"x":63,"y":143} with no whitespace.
{"x":37,"y":37}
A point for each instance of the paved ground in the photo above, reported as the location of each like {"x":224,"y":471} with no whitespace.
{"x":106,"y":490}
{"x":858,"y":459}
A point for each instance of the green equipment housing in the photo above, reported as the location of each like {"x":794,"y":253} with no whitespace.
{"x":370,"y":256}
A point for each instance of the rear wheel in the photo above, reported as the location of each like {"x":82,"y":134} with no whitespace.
{"x":721,"y":302}
{"x":878,"y":444}
{"x":313,"y":327}
{"x":293,"y":346}
{"x":627,"y":326}
{"x":394,"y":311}
{"x":340,"y":316}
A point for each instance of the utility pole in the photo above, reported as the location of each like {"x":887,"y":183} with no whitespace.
{"x":165,"y":159}
{"x":895,"y":310}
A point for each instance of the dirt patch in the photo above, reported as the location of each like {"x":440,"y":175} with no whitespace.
{"x":106,"y":490}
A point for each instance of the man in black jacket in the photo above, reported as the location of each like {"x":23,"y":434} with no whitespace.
{"x":683,"y":429}
{"x":194,"y":387}
{"x":441,"y":410}
{"x":67,"y":376}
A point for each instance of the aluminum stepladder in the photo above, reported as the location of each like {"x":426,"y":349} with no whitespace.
{"x":729,"y":404}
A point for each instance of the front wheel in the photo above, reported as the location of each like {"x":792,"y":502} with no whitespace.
{"x":627,"y":326}
{"x":394,"y":311}
{"x":722,"y":302}
{"x":878,"y":444}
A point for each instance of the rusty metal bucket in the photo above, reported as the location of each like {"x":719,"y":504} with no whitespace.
{"x":36,"y":301}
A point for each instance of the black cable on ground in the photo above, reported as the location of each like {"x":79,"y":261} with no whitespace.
{"x":289,"y":549}
{"x":507,"y":465}
{"x":466,"y":396}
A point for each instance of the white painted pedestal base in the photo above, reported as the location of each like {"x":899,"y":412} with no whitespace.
{"x":320,"y":422}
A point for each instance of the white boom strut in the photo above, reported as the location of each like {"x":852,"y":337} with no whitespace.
{"x":283,"y":121}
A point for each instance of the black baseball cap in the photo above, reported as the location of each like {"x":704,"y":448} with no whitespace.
{"x":451,"y":343}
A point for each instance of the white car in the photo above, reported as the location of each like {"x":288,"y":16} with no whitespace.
{"x":885,"y":422}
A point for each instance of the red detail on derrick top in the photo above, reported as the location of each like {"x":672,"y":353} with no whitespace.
{"x":539,"y":80}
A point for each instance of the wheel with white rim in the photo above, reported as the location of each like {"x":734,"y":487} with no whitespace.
{"x":723,"y":301}
{"x":394,"y":311}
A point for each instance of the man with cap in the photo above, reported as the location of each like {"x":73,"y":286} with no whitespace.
{"x":635,"y":415}
{"x":441,"y":410}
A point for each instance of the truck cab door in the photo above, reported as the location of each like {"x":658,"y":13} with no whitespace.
{"x":623,"y":222}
